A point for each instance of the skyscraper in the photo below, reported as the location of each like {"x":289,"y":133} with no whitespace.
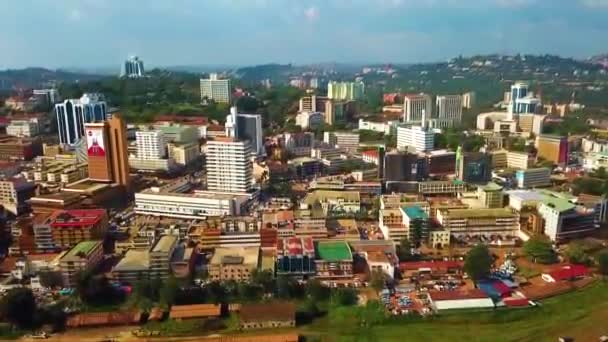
{"x":519,"y":90}
{"x":72,"y":114}
{"x":215,"y":89}
{"x":414,"y":105}
{"x":133,"y":67}
{"x":348,"y":91}
{"x":150,"y":144}
{"x":246,"y":127}
{"x":229,"y":166}
{"x":449,"y":107}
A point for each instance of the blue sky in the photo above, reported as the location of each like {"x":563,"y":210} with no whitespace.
{"x":90,"y":33}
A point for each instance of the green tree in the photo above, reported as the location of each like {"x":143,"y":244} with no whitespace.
{"x":377,"y":280}
{"x":316,"y":291}
{"x":345,"y":296}
{"x":602,"y":263}
{"x":478,"y":262}
{"x":576,"y":253}
{"x":538,"y":249}
{"x":168,"y":292}
{"x":264,"y":279}
{"x":373,"y":313}
{"x":404,"y":250}
{"x":18,"y":306}
{"x":417,"y":232}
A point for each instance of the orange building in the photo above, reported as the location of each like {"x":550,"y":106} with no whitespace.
{"x":69,"y":227}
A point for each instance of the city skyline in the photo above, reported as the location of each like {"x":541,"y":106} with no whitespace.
{"x":265,"y":31}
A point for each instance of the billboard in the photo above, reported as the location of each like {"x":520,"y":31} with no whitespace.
{"x":95,"y":142}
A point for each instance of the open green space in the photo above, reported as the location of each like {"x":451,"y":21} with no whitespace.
{"x":581,"y":314}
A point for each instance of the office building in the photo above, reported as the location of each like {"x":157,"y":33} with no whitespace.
{"x":420,"y":138}
{"x":533,"y":178}
{"x":339,"y":111}
{"x":227,"y":232}
{"x":348,"y":91}
{"x":133,"y":68}
{"x":72,"y":114}
{"x":403,"y":167}
{"x":416,"y":222}
{"x":179,"y":133}
{"x":107,"y":151}
{"x":213,"y":88}
{"x":440,"y":163}
{"x":334,"y":261}
{"x":83,"y":257}
{"x":160,"y":256}
{"x":462,"y":223}
{"x":66,"y":228}
{"x":312,"y":120}
{"x":229,"y":167}
{"x":473,"y":167}
{"x":298,"y":144}
{"x":246,"y":127}
{"x":519,"y":160}
{"x":415,"y":106}
{"x":449,"y":107}
{"x":14,"y":194}
{"x":15,"y":148}
{"x":184,"y":154}
{"x":519,"y":90}
{"x":468,"y":100}
{"x":346,"y":140}
{"x":133,"y":267}
{"x":295,"y":256}
{"x":51,"y":95}
{"x":333,"y":201}
{"x":22,"y":128}
{"x":151,"y":145}
{"x":312,"y":103}
{"x":234,"y":263}
{"x":490,"y":195}
{"x":564,"y":219}
{"x":553,"y":148}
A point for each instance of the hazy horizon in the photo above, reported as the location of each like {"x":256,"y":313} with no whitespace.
{"x":89,"y":34}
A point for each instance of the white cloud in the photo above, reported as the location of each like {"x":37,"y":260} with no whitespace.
{"x":311,"y":13}
{"x":595,"y":3}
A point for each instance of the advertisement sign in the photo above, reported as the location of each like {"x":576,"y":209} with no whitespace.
{"x":95,"y":144}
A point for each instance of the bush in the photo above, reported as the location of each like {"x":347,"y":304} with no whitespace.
{"x":539,"y":250}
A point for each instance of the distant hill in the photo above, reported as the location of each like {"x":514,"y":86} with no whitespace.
{"x":274,"y":72}
{"x":40,"y":77}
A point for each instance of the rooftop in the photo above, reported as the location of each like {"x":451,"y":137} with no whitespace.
{"x":479,"y":213}
{"x":325,"y":195}
{"x":457,"y":295}
{"x":134,"y":260}
{"x":76,"y":217}
{"x":415,"y":213}
{"x":164,"y":244}
{"x":491,"y":187}
{"x":195,"y":311}
{"x":278,"y":311}
{"x":333,"y":251}
{"x":82,"y":248}
{"x":244,"y":255}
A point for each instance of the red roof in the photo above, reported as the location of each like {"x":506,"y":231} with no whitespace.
{"x":502,"y":289}
{"x":456,"y":295}
{"x":76,"y":217}
{"x":433,"y":265}
{"x":187,"y":120}
{"x":567,"y":272}
{"x":370,"y":153}
{"x":516,"y":302}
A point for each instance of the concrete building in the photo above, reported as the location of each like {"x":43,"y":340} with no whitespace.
{"x":449,"y":107}
{"x":553,"y":148}
{"x":533,"y":178}
{"x":15,"y":148}
{"x":310,"y":120}
{"x":490,"y":195}
{"x":229,"y":231}
{"x":179,"y":133}
{"x":22,"y":128}
{"x":312,"y":103}
{"x":334,"y":201}
{"x":151,"y":145}
{"x":334,"y":261}
{"x":419,"y":137}
{"x":473,"y":167}
{"x":479,"y":222}
{"x":72,"y":114}
{"x":184,"y":154}
{"x":229,"y":168}
{"x":298,"y":144}
{"x":218,"y":90}
{"x":519,"y":160}
{"x":295,"y":256}
{"x":246,"y":127}
{"x":345,"y":140}
{"x":134,"y":266}
{"x":14,"y":194}
{"x":388,"y":127}
{"x":66,"y":228}
{"x":469,"y":100}
{"x":348,"y":91}
{"x":234,"y":263}
{"x":403,"y":167}
{"x":133,"y":68}
{"x":160,"y":256}
{"x":83,"y":257}
{"x":415,"y":106}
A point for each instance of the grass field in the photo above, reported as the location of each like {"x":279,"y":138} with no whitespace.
{"x":580,"y":314}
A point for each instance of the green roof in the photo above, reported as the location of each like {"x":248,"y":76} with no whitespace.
{"x":557,"y":203}
{"x":84,"y":247}
{"x":415,"y":212}
{"x":491,"y":187}
{"x":333,"y":251}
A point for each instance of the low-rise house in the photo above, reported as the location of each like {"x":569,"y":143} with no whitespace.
{"x":334,"y":201}
{"x":268,"y":315}
{"x":565,"y":272}
{"x":91,"y":319}
{"x":195,"y":311}
{"x":449,"y":300}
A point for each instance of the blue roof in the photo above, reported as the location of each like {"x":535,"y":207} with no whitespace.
{"x":415,"y":212}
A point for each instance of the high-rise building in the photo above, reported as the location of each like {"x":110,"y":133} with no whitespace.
{"x":151,"y":145}
{"x":449,"y":107}
{"x":107,"y":151}
{"x":414,"y":106}
{"x":403,"y":167}
{"x":133,"y":67}
{"x":519,"y":90}
{"x":229,"y":167}
{"x":215,"y":89}
{"x":312,"y":103}
{"x":418,"y":137}
{"x":553,"y":148}
{"x":468,"y":100}
{"x":246,"y":127}
{"x":72,"y":114}
{"x":473,"y":167}
{"x":348,"y":91}
{"x":345,"y":140}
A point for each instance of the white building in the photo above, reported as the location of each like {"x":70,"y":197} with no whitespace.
{"x":532,"y":178}
{"x":133,"y":68}
{"x":420,"y":138}
{"x":346,"y":140}
{"x":309,"y":119}
{"x":72,"y":114}
{"x":381,"y":127}
{"x":518,"y":160}
{"x":468,"y":100}
{"x":22,"y":128}
{"x":449,"y":107}
{"x":415,"y":106}
{"x":345,"y":90}
{"x":215,"y":89}
{"x":229,"y":167}
{"x":151,"y":145}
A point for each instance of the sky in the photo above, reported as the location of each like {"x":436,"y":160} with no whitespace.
{"x":101,"y":33}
